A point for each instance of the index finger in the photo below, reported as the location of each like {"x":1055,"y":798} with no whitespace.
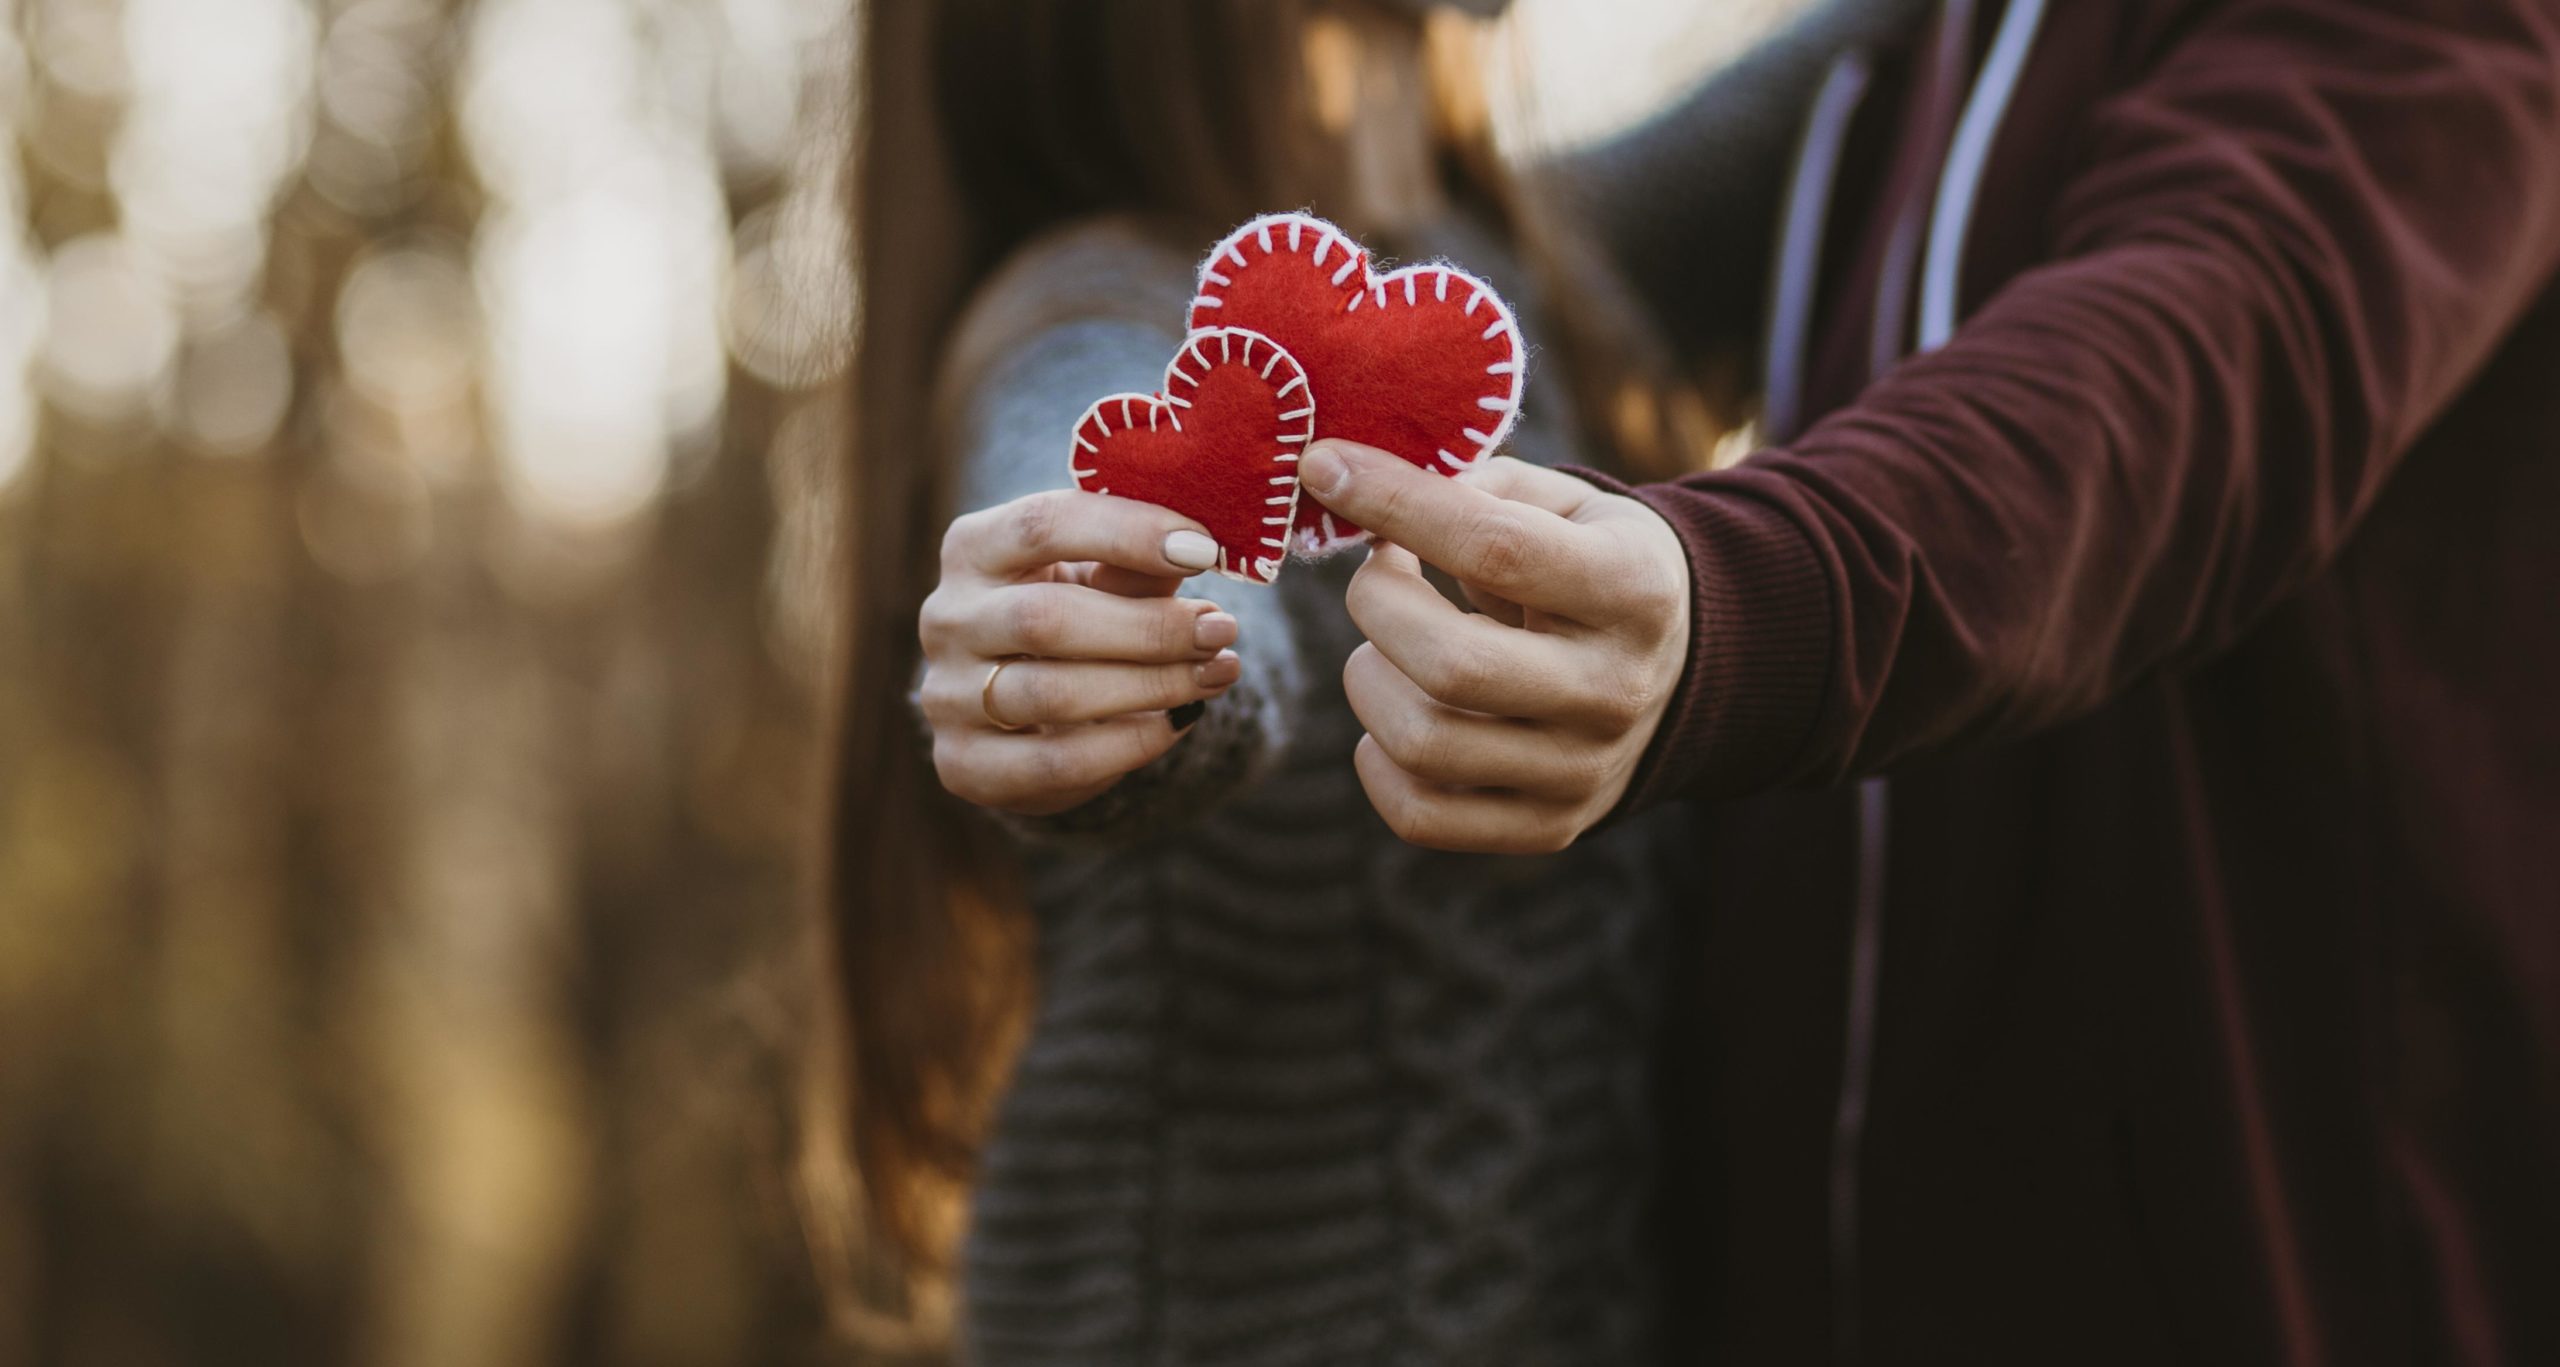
{"x":1516,"y":550}
{"x":1064,"y":525}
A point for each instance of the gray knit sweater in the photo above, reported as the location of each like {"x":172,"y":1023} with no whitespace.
{"x":1297,"y":1092}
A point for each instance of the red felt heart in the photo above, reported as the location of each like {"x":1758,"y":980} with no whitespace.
{"x":1425,"y":362}
{"x":1218,"y":445}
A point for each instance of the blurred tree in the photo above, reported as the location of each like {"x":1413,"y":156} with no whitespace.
{"x":415,"y":533}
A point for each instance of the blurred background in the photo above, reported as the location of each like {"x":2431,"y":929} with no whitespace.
{"x":417,"y":519}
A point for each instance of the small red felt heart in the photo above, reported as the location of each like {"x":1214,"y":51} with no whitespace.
{"x":1425,"y":362}
{"x":1218,"y":445}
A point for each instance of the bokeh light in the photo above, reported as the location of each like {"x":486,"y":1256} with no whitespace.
{"x":234,"y":383}
{"x":216,"y":124}
{"x":408,"y":326}
{"x":1562,"y":80}
{"x":421,"y":447}
{"x":602,"y":302}
{"x":366,"y":377}
{"x":25,"y":300}
{"x":111,"y":328}
{"x":603,"y":261}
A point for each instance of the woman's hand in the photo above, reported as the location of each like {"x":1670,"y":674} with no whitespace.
{"x":1516,"y":729}
{"x":1072,"y":594}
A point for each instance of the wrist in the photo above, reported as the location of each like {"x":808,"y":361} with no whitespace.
{"x":1759,"y":647}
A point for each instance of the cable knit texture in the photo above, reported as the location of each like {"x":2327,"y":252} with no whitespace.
{"x":1298,"y":1092}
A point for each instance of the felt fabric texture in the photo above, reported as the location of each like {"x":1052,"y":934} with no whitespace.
{"x":1219,"y":444}
{"x":1425,"y":362}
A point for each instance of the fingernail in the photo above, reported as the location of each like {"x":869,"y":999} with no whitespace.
{"x":1182,"y":717}
{"x":1225,"y":669}
{"x":1191,"y":550}
{"x":1213,"y":631}
{"x":1323,"y":470}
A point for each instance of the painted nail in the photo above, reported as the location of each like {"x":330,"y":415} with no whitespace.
{"x":1191,"y":550}
{"x":1323,"y":470}
{"x":1184,"y":716}
{"x":1213,"y":631}
{"x":1219,"y":671}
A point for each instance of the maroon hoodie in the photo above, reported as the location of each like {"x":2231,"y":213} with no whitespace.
{"x":2198,"y":605}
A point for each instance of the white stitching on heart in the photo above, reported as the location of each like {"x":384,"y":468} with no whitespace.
{"x":1307,"y":234}
{"x":1235,"y":346}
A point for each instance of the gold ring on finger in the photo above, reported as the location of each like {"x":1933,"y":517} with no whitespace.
{"x":987,"y":698}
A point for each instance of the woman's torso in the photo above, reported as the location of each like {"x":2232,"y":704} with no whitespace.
{"x":1300,"y":1092}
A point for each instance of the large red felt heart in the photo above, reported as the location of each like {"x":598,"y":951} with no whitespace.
{"x":1425,"y":362}
{"x":1218,"y":445}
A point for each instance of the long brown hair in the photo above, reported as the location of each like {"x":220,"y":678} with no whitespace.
{"x":983,"y":123}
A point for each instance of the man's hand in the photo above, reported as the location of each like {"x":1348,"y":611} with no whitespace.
{"x":1515,"y":729}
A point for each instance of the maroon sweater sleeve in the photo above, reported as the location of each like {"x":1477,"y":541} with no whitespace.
{"x":2287,"y":249}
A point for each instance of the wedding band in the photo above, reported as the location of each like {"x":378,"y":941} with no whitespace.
{"x":987,"y":699}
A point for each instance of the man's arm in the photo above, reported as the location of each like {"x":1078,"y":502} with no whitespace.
{"x":2289,"y":249}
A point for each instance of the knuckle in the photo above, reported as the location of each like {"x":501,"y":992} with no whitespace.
{"x":1433,"y":747}
{"x":1392,"y":799}
{"x":1536,"y":834}
{"x":1410,"y":818}
{"x":951,"y":765}
{"x":1044,"y":696}
{"x":1364,"y":599}
{"x":1169,"y":630}
{"x":1386,"y":504}
{"x":1497,"y":548}
{"x":1549,"y":835}
{"x":1465,"y":673}
{"x":934,"y":697}
{"x":1363,"y":663}
{"x":1036,"y":524}
{"x":1584,"y":769}
{"x":1662,"y":591}
{"x":1034,"y":621}
{"x":1137,"y":749}
{"x":1362,"y":591}
{"x":1137,"y":535}
{"x":1653,"y":592}
{"x":1404,"y":739}
{"x":1626,"y":699}
{"x":936,"y":620}
{"x":1614,"y":705}
{"x":957,"y":538}
{"x":1054,"y":768}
